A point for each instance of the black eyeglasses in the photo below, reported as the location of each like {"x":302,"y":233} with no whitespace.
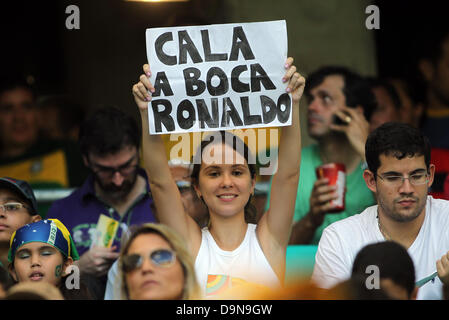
{"x":108,"y":172}
{"x":160,"y":258}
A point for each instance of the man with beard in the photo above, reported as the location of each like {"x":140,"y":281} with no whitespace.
{"x":117,"y":187}
{"x":339,"y":104}
{"x":399,"y":173}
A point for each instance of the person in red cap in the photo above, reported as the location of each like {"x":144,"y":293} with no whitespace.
{"x":18,"y":207}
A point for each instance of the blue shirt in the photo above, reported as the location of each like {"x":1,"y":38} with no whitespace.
{"x":80,"y":211}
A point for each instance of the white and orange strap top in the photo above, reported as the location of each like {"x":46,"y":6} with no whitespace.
{"x":218,"y":270}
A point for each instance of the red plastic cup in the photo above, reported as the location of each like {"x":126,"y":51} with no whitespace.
{"x":336,"y":175}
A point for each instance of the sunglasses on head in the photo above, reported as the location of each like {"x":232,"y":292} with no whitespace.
{"x":160,"y":258}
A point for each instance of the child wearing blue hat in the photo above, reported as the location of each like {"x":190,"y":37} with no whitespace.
{"x":42,"y":251}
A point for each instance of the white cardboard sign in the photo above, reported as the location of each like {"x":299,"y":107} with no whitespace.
{"x":218,"y":77}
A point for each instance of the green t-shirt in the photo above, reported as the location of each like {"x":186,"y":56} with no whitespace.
{"x":48,"y":164}
{"x":357,"y":197}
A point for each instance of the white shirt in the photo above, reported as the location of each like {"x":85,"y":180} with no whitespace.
{"x":217,"y":269}
{"x":114,"y":283}
{"x":342,"y":240}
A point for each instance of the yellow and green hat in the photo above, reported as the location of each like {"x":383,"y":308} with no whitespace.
{"x":50,"y":231}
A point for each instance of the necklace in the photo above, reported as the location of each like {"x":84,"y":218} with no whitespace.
{"x":385,"y":235}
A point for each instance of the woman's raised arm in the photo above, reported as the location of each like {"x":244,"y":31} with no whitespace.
{"x":167,"y":198}
{"x":276,"y":223}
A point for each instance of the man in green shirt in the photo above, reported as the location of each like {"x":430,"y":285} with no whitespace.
{"x":24,"y":153}
{"x":340,"y":101}
{"x":27,"y":155}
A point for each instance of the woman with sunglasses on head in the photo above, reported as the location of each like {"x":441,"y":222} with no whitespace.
{"x":231,"y":248}
{"x":156,"y":265}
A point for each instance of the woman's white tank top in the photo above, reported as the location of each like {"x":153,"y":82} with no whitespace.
{"x":217,"y":270}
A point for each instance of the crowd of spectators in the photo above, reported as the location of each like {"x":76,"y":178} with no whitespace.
{"x":141,"y":226}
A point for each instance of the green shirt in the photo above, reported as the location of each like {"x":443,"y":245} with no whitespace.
{"x":357,"y":197}
{"x":48,"y":164}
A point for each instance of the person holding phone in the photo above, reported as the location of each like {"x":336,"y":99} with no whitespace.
{"x":339,"y":104}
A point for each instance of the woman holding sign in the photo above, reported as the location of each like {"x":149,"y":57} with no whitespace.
{"x":229,"y":250}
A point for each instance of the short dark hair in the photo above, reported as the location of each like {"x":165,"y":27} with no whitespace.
{"x":356,"y":88}
{"x":393,"y":261}
{"x":355,"y":288}
{"x":107,"y":131}
{"x":8,"y":83}
{"x":395,"y":139}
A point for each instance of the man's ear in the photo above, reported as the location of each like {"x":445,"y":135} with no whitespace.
{"x":431,"y":174}
{"x":427,"y":69}
{"x":12,"y":272}
{"x":370,"y":180}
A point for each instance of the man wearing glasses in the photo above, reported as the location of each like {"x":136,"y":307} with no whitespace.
{"x":399,"y":174}
{"x":117,"y":187}
{"x":18,"y":207}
